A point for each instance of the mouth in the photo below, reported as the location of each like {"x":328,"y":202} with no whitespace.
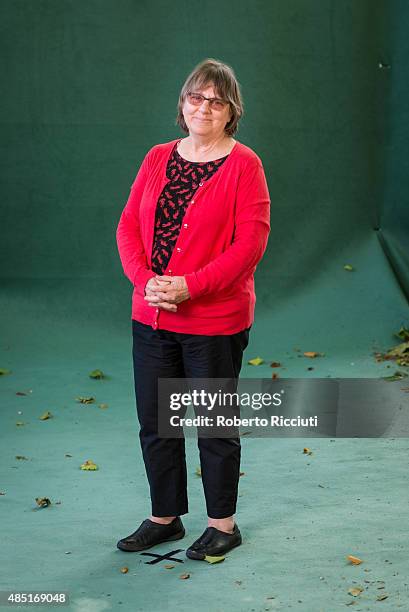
{"x":202,"y":120}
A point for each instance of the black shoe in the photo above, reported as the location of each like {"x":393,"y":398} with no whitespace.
{"x":149,"y":534}
{"x":214,"y":542}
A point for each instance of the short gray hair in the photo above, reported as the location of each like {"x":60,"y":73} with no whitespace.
{"x":225,"y":84}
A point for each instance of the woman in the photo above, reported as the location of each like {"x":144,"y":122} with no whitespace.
{"x":190,"y":237}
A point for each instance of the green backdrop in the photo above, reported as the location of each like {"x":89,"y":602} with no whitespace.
{"x":88,"y":87}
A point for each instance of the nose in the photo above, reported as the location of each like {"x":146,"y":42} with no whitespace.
{"x":205,"y":106}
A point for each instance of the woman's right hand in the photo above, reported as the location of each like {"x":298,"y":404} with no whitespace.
{"x":154,"y":282}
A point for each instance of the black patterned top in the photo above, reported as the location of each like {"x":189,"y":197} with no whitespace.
{"x":185,"y":177}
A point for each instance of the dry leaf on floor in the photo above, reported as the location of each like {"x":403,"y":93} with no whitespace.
{"x":97,"y":374}
{"x":354,"y":560}
{"x":43,"y":502}
{"x":312,"y":354}
{"x":184,"y":576}
{"x":400,"y":353}
{"x":307,"y":451}
{"x":168,"y":566}
{"x":355,"y":591}
{"x":45,"y":416}
{"x":256,"y":361}
{"x":396,"y":376}
{"x":103,"y":406}
{"x":381,"y":597}
{"x":275,"y":364}
{"x":85,"y":400}
{"x":198,"y":472}
{"x":124,"y":570}
{"x":89,"y":465}
{"x":403,"y":333}
{"x":22,"y":457}
{"x":212,"y":559}
{"x":348,"y":267}
{"x":19,"y":423}
{"x":4,"y":371}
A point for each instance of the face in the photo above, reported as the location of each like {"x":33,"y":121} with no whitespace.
{"x":203,"y":120}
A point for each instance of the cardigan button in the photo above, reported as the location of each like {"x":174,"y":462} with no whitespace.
{"x":178,"y":249}
{"x":200,"y":184}
{"x":185,"y":225}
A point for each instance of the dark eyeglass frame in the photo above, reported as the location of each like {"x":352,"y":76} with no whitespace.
{"x":210,"y":100}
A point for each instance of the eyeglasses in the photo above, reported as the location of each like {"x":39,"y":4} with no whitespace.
{"x":197,"y":99}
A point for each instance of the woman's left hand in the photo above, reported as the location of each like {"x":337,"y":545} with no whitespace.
{"x":173,"y":292}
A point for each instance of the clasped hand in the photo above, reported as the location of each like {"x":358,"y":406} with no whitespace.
{"x":166,"y":291}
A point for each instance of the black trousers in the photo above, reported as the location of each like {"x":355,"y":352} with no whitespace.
{"x":166,"y":354}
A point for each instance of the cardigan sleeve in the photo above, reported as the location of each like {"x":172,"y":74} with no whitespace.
{"x":252,"y":227}
{"x":128,"y":235}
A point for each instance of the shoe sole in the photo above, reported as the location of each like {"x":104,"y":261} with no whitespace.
{"x":177,"y":536}
{"x":196,"y":556}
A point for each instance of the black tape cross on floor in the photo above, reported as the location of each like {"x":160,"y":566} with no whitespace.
{"x":167,"y":556}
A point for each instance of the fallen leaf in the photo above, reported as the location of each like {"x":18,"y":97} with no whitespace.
{"x":22,"y":457}
{"x":355,"y":591}
{"x":312,"y":354}
{"x":348,"y":267}
{"x":211,"y":559}
{"x":184,"y":576}
{"x":399,"y":350}
{"x":68,"y":455}
{"x":397,"y":376}
{"x":86,"y":400}
{"x":274,"y":376}
{"x":403,"y":333}
{"x":242,"y":473}
{"x":89,"y":465}
{"x":307,"y":451}
{"x":354,"y":560}
{"x":399,"y":354}
{"x":103,"y":406}
{"x":124,"y":570}
{"x":46,"y":415}
{"x":4,"y":371}
{"x":43,"y":501}
{"x":198,"y":472}
{"x":382,"y":596}
{"x":19,"y":423}
{"x":256,"y":361}
{"x":96,"y":374}
{"x":168,"y":566}
{"x":275,"y":364}
{"x":21,"y":393}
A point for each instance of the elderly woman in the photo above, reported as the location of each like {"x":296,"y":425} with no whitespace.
{"x":190,"y":237}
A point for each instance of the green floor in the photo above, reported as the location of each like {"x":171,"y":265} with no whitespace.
{"x":300,"y":515}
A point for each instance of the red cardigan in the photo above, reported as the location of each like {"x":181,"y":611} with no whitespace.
{"x":223,"y":236}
